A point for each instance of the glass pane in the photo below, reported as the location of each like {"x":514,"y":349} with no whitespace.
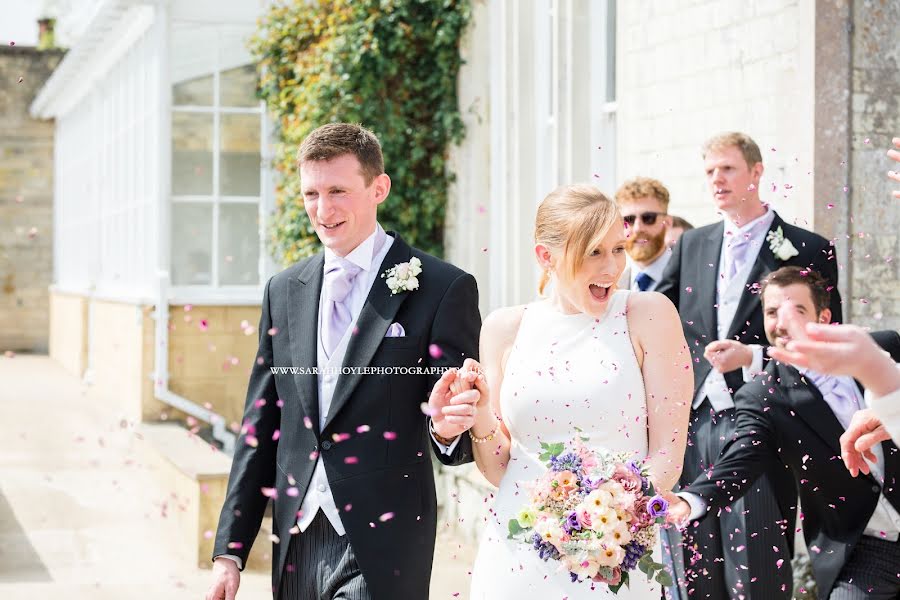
{"x":197,"y":91}
{"x":238,"y":87}
{"x":192,"y":154}
{"x":191,"y":243}
{"x":238,"y":244}
{"x":240,"y":160}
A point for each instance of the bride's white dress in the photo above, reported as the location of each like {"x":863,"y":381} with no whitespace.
{"x":564,"y":372}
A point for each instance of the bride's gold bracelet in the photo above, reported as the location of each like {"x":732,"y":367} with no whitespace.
{"x":488,"y":437}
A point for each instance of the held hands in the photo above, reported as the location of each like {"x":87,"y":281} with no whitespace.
{"x":226,"y":579}
{"x":679,"y":510}
{"x":728,"y":355}
{"x":454,"y":400}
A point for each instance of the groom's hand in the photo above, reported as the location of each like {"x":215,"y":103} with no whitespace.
{"x":452,"y":413}
{"x":679,"y":511}
{"x":226,"y":579}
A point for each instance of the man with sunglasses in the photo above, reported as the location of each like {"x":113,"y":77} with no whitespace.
{"x":643,"y":203}
{"x":712,"y":278}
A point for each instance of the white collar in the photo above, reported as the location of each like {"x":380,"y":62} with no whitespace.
{"x":750,"y":230}
{"x":362,"y":255}
{"x":654,"y":269}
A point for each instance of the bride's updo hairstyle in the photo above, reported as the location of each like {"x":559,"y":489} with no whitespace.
{"x":573,"y":219}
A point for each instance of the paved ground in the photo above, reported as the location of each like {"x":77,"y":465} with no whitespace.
{"x":80,"y":518}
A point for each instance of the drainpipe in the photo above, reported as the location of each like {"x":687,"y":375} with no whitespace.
{"x":163,"y":223}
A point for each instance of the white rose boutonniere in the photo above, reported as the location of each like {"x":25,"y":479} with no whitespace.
{"x":780,"y":246}
{"x":403,"y":277}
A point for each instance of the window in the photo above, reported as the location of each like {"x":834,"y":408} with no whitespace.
{"x":217,"y":125}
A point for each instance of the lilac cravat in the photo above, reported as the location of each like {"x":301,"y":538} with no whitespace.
{"x":736,"y":250}
{"x":339,"y":276}
{"x":839,"y":393}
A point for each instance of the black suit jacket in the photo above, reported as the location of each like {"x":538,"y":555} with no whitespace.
{"x":781,"y":416}
{"x":690,"y":279}
{"x":382,"y":475}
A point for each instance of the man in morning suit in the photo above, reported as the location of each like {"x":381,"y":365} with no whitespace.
{"x":712,"y":278}
{"x":851,"y":525}
{"x":345,"y":454}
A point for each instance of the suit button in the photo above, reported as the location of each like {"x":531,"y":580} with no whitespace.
{"x":876,"y":489}
{"x":326,"y":445}
{"x":321,"y":488}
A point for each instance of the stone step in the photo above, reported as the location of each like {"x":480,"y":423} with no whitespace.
{"x":193,"y":476}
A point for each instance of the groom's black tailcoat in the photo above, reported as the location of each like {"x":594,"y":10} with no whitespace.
{"x":747,"y":533}
{"x":781,"y":416}
{"x":383,"y":486}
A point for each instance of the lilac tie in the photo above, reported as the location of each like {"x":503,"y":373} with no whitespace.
{"x":339,"y":276}
{"x":839,"y":393}
{"x":736,"y":250}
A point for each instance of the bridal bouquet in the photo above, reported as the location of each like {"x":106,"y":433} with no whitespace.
{"x":596,"y":513}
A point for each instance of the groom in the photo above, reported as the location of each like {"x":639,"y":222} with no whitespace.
{"x":342,"y":445}
{"x":712,"y":279}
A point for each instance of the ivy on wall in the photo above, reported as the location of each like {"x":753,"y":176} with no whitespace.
{"x":390,"y":65}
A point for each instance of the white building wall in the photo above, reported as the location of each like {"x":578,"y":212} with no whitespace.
{"x":689,"y":69}
{"x":534,"y":97}
{"x":106,"y":179}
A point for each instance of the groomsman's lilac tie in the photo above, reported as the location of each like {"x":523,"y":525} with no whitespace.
{"x":736,"y":251}
{"x":339,"y":276}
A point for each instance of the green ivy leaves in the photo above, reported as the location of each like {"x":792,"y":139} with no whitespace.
{"x":391,"y":65}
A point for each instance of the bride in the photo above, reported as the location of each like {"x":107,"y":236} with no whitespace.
{"x":589,"y":360}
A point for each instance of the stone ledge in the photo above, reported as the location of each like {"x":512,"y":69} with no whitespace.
{"x":195,"y":477}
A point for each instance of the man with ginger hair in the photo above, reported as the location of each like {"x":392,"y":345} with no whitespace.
{"x":644,"y":204}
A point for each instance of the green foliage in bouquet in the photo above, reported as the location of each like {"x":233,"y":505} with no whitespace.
{"x":390,"y":65}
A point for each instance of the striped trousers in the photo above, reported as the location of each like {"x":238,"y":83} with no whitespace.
{"x":870,"y":572}
{"x":321,"y":565}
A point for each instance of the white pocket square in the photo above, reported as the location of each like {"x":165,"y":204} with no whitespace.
{"x":395,"y":330}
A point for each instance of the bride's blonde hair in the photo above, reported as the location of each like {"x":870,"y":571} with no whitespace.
{"x":573,"y":219}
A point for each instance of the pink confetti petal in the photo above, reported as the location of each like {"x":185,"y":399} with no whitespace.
{"x":390,"y":436}
{"x":386,"y":517}
{"x":363,"y":429}
{"x":351,"y":460}
{"x":435,"y":351}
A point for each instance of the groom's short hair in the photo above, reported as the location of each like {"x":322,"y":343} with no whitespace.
{"x":337,"y":139}
{"x":818,"y":286}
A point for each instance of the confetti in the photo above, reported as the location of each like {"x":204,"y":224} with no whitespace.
{"x":390,"y":436}
{"x":207,"y":535}
{"x":203,"y":324}
{"x":363,"y":429}
{"x":307,"y":422}
{"x":235,"y":545}
{"x":21,"y":79}
{"x":435,"y":351}
{"x":386,"y":517}
{"x":351,"y":460}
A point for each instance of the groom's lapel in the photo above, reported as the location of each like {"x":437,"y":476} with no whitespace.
{"x":376,"y":316}
{"x":303,"y":320}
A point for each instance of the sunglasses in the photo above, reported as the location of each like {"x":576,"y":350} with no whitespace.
{"x":647,"y":218}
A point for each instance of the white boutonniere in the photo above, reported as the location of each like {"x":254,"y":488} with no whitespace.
{"x":780,"y":246}
{"x":403,"y":277}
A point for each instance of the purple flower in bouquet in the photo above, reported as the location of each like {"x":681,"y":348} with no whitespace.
{"x":546,"y":550}
{"x":657,"y":507}
{"x":572,"y":523}
{"x":566,"y":462}
{"x":633,"y":553}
